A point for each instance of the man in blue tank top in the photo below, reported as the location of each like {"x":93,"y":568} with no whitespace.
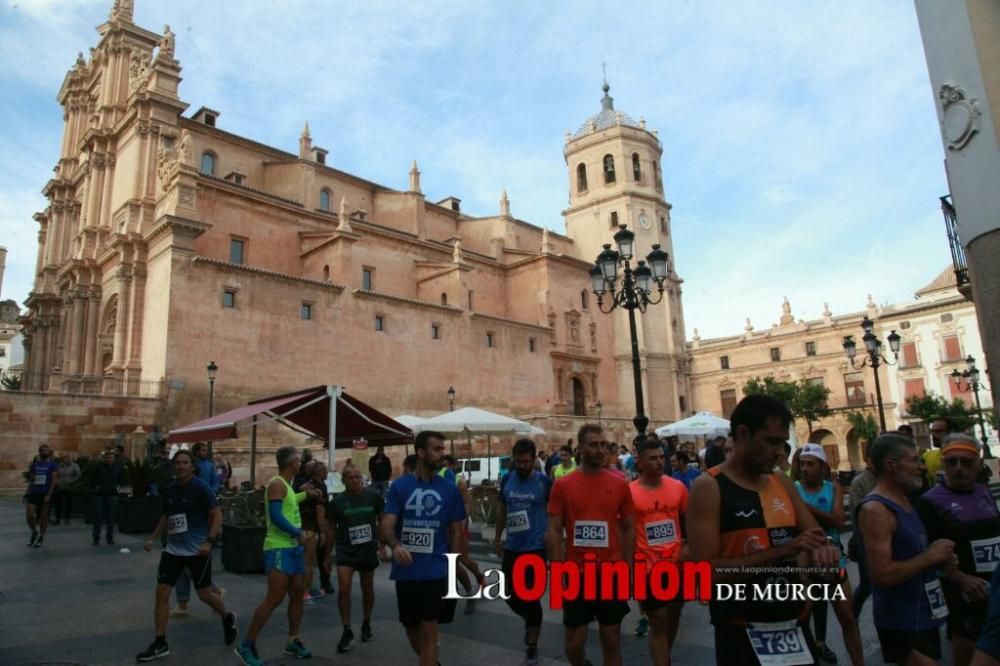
{"x":909,"y":604}
{"x":964,"y":511}
{"x":523,"y":512}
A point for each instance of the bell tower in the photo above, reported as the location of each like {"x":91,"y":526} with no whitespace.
{"x":613,"y":164}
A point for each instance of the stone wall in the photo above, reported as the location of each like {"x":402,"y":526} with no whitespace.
{"x":73,"y":424}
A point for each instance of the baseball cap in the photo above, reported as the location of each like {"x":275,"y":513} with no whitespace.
{"x":814,"y":450}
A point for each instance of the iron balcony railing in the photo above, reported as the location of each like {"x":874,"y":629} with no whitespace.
{"x":957,"y":251}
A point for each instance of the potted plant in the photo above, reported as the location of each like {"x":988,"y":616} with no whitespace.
{"x":243,"y":530}
{"x":140,"y":512}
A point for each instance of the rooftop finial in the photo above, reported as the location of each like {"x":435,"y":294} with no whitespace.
{"x":607,"y":102}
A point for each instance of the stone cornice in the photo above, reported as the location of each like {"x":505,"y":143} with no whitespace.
{"x":589,"y":360}
{"x":558,"y":258}
{"x":657,"y":200}
{"x":513,"y":322}
{"x":226,"y":184}
{"x":190,"y":228}
{"x":240,"y":268}
{"x":376,"y":295}
{"x":333,"y":236}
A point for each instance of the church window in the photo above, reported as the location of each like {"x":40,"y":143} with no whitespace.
{"x":435,"y":332}
{"x":326,"y":274}
{"x":682,"y":403}
{"x":609,"y":169}
{"x":236,"y":251}
{"x":614,"y":219}
{"x":724,"y":362}
{"x":636,"y":168}
{"x":490,"y":340}
{"x":656,"y":175}
{"x":581,"y":177}
{"x":584,"y":299}
{"x":368,"y":278}
{"x":531,"y":345}
{"x":663,"y":225}
{"x":579,"y":398}
{"x":810,"y":349}
{"x":229,"y":298}
{"x":324,"y":199}
{"x":379,"y":323}
{"x":444,"y":299}
{"x":207,"y":164}
{"x":306,"y":312}
{"x":775,"y":354}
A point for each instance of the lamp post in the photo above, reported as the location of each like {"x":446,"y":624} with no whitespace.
{"x":451,"y":408}
{"x":632,"y":292}
{"x":212,"y":370}
{"x":873,"y":358}
{"x":971,"y":377}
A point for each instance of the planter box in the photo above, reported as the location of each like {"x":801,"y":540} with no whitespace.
{"x":243,"y":548}
{"x":137,"y":515}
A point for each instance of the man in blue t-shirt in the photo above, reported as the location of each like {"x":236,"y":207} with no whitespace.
{"x":43,"y":475}
{"x":523,"y":512}
{"x":683,"y":472}
{"x":422,"y":521}
{"x":192,"y":520}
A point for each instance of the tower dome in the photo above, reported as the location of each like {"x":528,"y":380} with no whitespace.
{"x":608,"y":117}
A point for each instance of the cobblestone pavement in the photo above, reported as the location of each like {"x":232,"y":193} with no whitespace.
{"x":70,"y":602}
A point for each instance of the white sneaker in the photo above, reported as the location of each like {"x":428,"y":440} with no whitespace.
{"x":178,"y":612}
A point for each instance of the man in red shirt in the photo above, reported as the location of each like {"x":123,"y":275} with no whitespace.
{"x":660,"y":504}
{"x":595,"y":507}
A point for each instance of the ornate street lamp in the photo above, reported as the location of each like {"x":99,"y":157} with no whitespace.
{"x":212,"y":370}
{"x":633,"y":292}
{"x":451,"y":398}
{"x":873,"y":357}
{"x":971,"y":377}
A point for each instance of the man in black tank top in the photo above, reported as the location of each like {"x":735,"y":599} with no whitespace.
{"x":743,"y":515}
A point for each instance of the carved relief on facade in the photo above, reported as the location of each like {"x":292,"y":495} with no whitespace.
{"x":593,"y":337}
{"x":138,"y":71}
{"x":959,"y":116}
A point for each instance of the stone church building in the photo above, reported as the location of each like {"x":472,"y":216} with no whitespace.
{"x":169,"y":242}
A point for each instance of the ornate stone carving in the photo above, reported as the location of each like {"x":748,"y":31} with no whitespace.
{"x":167,"y":164}
{"x":122,"y":10}
{"x":138,"y":71}
{"x":186,"y":196}
{"x":168,"y":43}
{"x":959,"y":116}
{"x":184,"y":148}
{"x":593,"y":337}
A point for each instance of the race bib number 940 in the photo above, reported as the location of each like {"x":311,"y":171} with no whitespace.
{"x":360,"y":534}
{"x":418,"y":540}
{"x":590,"y":534}
{"x":779,"y":643}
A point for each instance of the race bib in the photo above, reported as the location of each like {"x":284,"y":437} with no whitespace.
{"x":661,"y":532}
{"x":590,"y":534}
{"x":779,"y":643}
{"x":986,"y":552}
{"x":41,"y":479}
{"x":360,"y":534}
{"x":177,"y":523}
{"x":418,"y":540}
{"x":935,"y":596}
{"x":518,"y":522}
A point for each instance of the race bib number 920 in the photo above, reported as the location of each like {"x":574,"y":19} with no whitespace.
{"x":418,"y":540}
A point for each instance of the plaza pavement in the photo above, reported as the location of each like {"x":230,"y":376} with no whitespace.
{"x":71,"y":603}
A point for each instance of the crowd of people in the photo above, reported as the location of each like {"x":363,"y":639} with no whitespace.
{"x":926,"y":538}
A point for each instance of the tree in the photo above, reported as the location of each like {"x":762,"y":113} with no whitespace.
{"x":805,"y":399}
{"x":930,"y":407}
{"x":864,"y":425}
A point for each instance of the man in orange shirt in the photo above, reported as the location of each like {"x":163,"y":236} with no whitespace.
{"x":595,"y":507}
{"x":660,"y":504}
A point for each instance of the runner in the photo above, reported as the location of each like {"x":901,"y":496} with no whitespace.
{"x":741,"y":514}
{"x":660,"y":506}
{"x":522,"y":512}
{"x":595,"y":506}
{"x":909,"y":603}
{"x":423,"y":520}
{"x":192,"y":520}
{"x":43,"y":476}
{"x":354,"y":515}
{"x":566,"y":463}
{"x":283,"y":559}
{"x":964,"y":511}
{"x":825,"y":500}
{"x":314,"y":525}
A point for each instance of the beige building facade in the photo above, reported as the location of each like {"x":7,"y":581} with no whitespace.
{"x":937,"y":332}
{"x":169,"y":242}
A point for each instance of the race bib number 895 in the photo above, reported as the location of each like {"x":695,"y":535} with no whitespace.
{"x":661,"y":532}
{"x":590,"y":534}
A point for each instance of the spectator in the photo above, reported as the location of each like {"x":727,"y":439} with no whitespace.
{"x":784,"y":466}
{"x":552,"y":461}
{"x":567,"y":464}
{"x":940,"y":428}
{"x":223,"y":470}
{"x":154,"y":442}
{"x":380,"y":471}
{"x":69,"y":473}
{"x":204,"y":468}
{"x":715,"y":453}
{"x":683,"y":472}
{"x":105,"y":481}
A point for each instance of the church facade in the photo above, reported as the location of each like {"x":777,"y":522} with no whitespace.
{"x":169,"y":242}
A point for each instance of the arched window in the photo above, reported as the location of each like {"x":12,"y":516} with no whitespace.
{"x":579,"y":398}
{"x":326,"y":274}
{"x":636,"y":168}
{"x":444,"y":298}
{"x":208,"y":164}
{"x":584,"y":299}
{"x":656,"y":175}
{"x":581,"y":177}
{"x":324,"y":199}
{"x":609,"y":169}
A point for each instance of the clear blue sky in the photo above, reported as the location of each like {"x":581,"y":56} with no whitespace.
{"x":801,"y":149}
